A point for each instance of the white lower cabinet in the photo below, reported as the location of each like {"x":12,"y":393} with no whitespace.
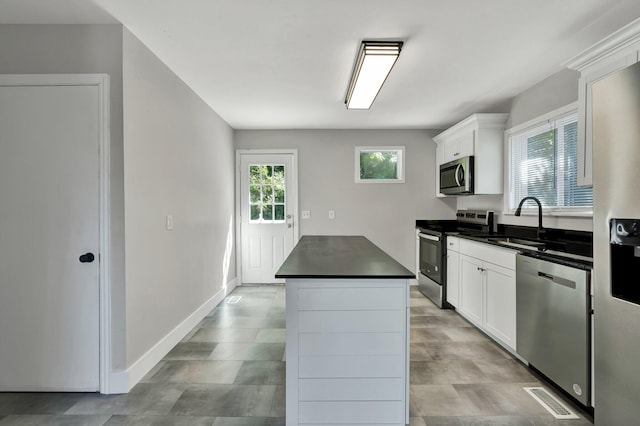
{"x":500,"y":303}
{"x":453,"y":278}
{"x":487,"y":290}
{"x":471,"y":289}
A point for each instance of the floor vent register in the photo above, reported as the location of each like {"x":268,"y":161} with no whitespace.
{"x":233,"y":299}
{"x":550,"y":403}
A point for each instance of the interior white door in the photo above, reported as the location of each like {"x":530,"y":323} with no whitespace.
{"x":49,"y":217}
{"x":268,"y":200}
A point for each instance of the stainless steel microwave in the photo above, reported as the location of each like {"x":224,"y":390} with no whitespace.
{"x":456,"y":177}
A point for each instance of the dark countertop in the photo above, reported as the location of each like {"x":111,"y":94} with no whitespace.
{"x":340,"y":257}
{"x":564,"y":246}
{"x":561,"y":257}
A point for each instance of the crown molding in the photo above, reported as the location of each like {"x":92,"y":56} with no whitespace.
{"x":608,"y":46}
{"x":493,"y":120}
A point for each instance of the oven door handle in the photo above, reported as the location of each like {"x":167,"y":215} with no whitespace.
{"x":428,"y":237}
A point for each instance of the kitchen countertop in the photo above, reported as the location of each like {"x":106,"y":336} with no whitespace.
{"x":340,"y":257}
{"x":562,"y":257}
{"x":565,"y":246}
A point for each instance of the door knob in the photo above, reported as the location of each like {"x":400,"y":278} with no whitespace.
{"x":87,"y":258}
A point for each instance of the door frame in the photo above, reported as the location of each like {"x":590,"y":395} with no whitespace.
{"x":293,"y":186}
{"x":101,"y":81}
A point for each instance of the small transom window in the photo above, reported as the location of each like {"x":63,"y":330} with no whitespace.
{"x":379,"y":164}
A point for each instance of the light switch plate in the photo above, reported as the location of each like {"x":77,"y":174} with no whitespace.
{"x":169,"y":222}
{"x":332,"y":214}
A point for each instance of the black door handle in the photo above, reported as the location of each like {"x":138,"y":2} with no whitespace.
{"x":87,"y":258}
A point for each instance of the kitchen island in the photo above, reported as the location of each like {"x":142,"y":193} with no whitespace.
{"x":347,"y":333}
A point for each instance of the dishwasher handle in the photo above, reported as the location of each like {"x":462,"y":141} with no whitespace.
{"x":558,"y":280}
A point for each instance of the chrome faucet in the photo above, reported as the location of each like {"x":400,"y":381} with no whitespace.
{"x":541,"y":230}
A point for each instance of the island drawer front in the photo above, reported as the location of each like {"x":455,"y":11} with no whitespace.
{"x":315,"y":344}
{"x":351,"y":321}
{"x":382,"y":389}
{"x":327,"y":367}
{"x":355,"y":299}
{"x":366,"y":412}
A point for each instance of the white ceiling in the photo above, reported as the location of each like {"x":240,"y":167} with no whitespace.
{"x":265,"y":64}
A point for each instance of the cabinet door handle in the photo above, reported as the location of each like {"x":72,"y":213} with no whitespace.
{"x":481,"y":269}
{"x":455,"y":154}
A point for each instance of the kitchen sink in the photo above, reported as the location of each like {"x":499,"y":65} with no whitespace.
{"x":519,"y":243}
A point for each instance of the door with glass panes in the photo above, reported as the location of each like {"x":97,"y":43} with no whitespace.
{"x":267,"y":205}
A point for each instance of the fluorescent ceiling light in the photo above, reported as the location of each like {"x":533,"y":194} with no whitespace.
{"x":373,"y":64}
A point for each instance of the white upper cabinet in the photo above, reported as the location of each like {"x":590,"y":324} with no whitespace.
{"x":480,"y":135}
{"x":615,"y":52}
{"x":460,"y":144}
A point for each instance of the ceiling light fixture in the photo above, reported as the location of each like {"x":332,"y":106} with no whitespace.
{"x":373,"y":64}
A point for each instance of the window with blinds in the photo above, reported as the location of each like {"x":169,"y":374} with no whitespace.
{"x":543,"y":164}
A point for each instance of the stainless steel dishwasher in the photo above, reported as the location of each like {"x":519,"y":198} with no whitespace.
{"x":553,"y":323}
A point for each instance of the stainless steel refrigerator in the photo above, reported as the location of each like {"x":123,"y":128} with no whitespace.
{"x":616,"y":226}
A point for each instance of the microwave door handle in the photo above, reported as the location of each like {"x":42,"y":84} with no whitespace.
{"x":457,"y":174}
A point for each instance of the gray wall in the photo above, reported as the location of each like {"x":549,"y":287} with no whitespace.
{"x":76,"y":49}
{"x":384,"y":213}
{"x":179,"y":160}
{"x":552,"y":93}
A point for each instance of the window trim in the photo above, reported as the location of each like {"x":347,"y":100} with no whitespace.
{"x":400,"y":150}
{"x":263,"y":221}
{"x":530,"y":124}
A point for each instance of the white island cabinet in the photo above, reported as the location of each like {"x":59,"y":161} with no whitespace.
{"x":347,"y":333}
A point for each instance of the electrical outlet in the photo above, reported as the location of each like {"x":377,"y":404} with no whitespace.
{"x":306,"y":214}
{"x":332,"y":214}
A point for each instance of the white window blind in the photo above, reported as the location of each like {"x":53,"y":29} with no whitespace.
{"x":543,"y":164}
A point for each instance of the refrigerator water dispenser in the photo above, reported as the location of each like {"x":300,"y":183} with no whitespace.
{"x":625,"y":259}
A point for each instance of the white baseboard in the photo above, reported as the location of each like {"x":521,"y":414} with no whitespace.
{"x":123,"y":381}
{"x":118,"y":382}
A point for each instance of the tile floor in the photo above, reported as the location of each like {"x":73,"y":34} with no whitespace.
{"x":229,"y":371}
{"x":459,"y":377}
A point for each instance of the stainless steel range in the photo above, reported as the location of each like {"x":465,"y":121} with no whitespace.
{"x":431,"y":248}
